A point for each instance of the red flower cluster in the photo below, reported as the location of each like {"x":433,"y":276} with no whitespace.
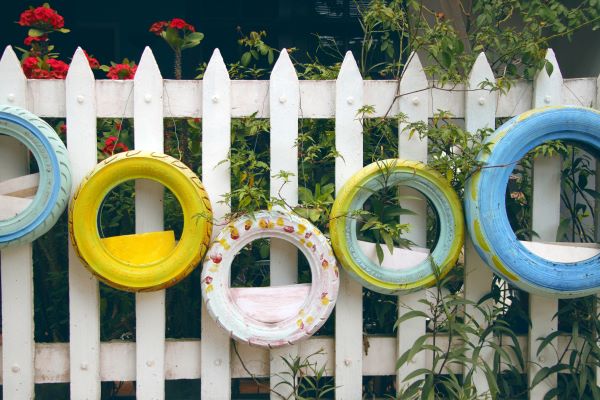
{"x":111,"y":146}
{"x":176,"y":23}
{"x":36,"y":68}
{"x":121,"y":71}
{"x":42,"y":17}
{"x":29,"y":40}
{"x":94,"y":64}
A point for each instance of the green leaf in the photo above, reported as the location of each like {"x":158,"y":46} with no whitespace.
{"x":379,"y":252}
{"x":411,"y":314}
{"x":305,"y":195}
{"x":387,"y":238}
{"x":563,"y":229}
{"x":35,"y":32}
{"x":546,"y":341}
{"x":594,"y":193}
{"x":195,"y":36}
{"x":549,"y":68}
{"x":246,"y":57}
{"x":415,"y":373}
{"x":171,"y":36}
{"x":446,"y":59}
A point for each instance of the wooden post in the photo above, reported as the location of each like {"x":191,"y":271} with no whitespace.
{"x":84,"y":297}
{"x":480,"y":113}
{"x":284,"y":99}
{"x":416,"y":108}
{"x":216,"y":141}
{"x":149,"y":306}
{"x":348,"y":315}
{"x":546,"y":218}
{"x":17,"y":265}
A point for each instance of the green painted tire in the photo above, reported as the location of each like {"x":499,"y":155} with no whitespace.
{"x":359,"y":188}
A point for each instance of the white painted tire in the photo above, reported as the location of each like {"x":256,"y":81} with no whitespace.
{"x":312,"y":313}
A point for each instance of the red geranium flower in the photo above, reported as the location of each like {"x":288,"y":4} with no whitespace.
{"x":37,"y":68}
{"x":29,"y":64}
{"x":94,"y":64}
{"x":111,"y":146}
{"x":122,"y":71}
{"x":29,"y":40}
{"x":58,"y":68}
{"x":176,"y":23}
{"x":158,"y":27}
{"x":42,"y":17}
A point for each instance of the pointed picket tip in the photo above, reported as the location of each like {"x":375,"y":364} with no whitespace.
{"x":80,"y":66}
{"x":147,"y":66}
{"x":481,"y":71}
{"x":284,"y":68}
{"x":349,"y":69}
{"x":216,"y":66}
{"x":10,"y":64}
{"x":414,"y":75}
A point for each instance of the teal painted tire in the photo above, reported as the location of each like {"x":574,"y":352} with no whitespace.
{"x":485,"y":206}
{"x":55,"y":176}
{"x":358,"y":189}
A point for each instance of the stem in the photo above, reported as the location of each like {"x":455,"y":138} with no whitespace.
{"x":177,"y":66}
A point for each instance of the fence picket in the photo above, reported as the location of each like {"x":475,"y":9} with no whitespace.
{"x":547,"y":91}
{"x":348,"y":314}
{"x":216,"y":141}
{"x":16,"y":262}
{"x":284,"y":98}
{"x":414,"y":103}
{"x":150,"y":306}
{"x":480,"y":111}
{"x":84,"y":297}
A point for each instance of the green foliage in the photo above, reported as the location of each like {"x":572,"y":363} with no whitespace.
{"x":578,"y":196}
{"x":256,"y":48}
{"x":579,"y":360}
{"x":464,"y":336}
{"x":304,"y":378}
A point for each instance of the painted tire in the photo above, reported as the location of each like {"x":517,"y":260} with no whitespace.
{"x":485,"y":205}
{"x":317,"y":305}
{"x":55,"y":176}
{"x":359,"y":188}
{"x":153,"y":274}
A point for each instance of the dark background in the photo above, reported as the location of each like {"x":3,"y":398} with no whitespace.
{"x":112,"y":30}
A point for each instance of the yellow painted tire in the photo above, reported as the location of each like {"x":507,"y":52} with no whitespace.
{"x":352,"y":197}
{"x":177,"y":261}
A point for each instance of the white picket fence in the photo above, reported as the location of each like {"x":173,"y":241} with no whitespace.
{"x":85,"y":361}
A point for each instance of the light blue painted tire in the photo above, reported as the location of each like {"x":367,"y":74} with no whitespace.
{"x":55,"y":176}
{"x":485,"y":207}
